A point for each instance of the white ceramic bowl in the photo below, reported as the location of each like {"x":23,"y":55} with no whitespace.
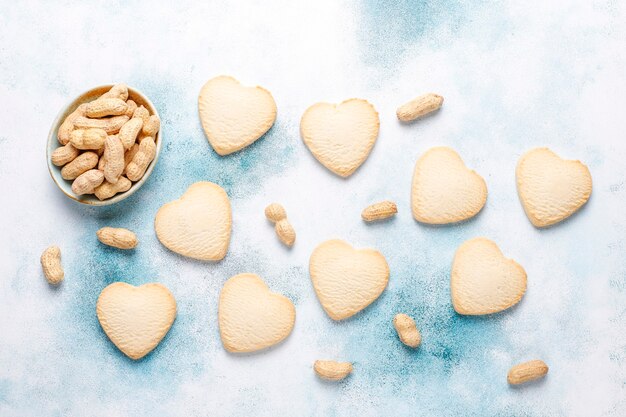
{"x":53,"y":143}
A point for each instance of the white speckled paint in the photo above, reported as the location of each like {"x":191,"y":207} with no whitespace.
{"x":515,"y":75}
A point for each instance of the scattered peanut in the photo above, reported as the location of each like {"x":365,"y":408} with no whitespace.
{"x":117,"y":237}
{"x":285,"y":232}
{"x":87,"y":182}
{"x":63,"y":134}
{"x":146,"y":153}
{"x":132,"y":106}
{"x":331,"y":370}
{"x":275,"y":212}
{"x":108,"y":190}
{"x":407,"y":331}
{"x":419,"y":107}
{"x":51,"y":264}
{"x":151,"y":126}
{"x":88,"y":138}
{"x":111,"y":125}
{"x":64,"y":154}
{"x":106,"y":107}
{"x":527,"y":371}
{"x":117,"y":91}
{"x":130,"y":130}
{"x":114,"y":157}
{"x":379,"y":211}
{"x":82,"y":163}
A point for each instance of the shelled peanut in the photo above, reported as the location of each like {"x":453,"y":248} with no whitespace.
{"x":106,"y":144}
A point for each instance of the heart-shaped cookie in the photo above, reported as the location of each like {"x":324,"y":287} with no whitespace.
{"x":251,"y":317}
{"x":345,"y":279}
{"x":483,"y":281}
{"x":551,"y":189}
{"x":232,"y":115}
{"x":340,"y":136}
{"x":198,"y":224}
{"x":444,"y":190}
{"x":136,"y":318}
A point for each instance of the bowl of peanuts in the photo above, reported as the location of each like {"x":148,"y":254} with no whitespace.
{"x":104,"y":145}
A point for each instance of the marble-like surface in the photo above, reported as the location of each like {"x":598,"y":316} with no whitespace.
{"x":515,"y":75}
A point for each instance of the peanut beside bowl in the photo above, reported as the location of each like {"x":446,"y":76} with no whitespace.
{"x":53,"y":143}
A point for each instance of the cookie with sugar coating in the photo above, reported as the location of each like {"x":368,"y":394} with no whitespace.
{"x":234,"y":116}
{"x":136,"y":319}
{"x":198,"y":225}
{"x":483,"y":281}
{"x":444,"y":190}
{"x":551,"y":188}
{"x":251,"y":317}
{"x":340,"y":136}
{"x":347,"y":280}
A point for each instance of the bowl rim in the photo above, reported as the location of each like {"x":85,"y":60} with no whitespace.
{"x":70,"y":107}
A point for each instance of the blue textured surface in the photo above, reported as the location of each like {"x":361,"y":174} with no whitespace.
{"x":513,"y":77}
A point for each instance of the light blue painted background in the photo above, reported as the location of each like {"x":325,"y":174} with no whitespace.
{"x":515,"y":75}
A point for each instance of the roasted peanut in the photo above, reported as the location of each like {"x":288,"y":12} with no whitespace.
{"x":87,"y":182}
{"x":114,"y":158}
{"x":142,"y":113}
{"x":130,"y":130}
{"x":102,"y":162}
{"x":151,"y":126}
{"x":527,"y":371}
{"x":117,"y":237}
{"x":285,"y":232}
{"x":275,"y":212}
{"x":407,"y":331}
{"x":108,"y":190}
{"x":332,"y":370}
{"x":82,"y":163}
{"x":63,"y":134}
{"x":88,"y":138}
{"x":51,"y":264}
{"x":132,"y":106}
{"x":419,"y":107}
{"x":379,"y":211}
{"x":106,"y":107}
{"x":117,"y":91}
{"x":137,"y":167}
{"x":64,"y":154}
{"x":111,"y":125}
{"x":130,"y":154}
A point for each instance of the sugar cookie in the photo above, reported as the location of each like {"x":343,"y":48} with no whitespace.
{"x":251,"y":317}
{"x":197,"y":225}
{"x":234,"y":116}
{"x":551,"y":189}
{"x":345,"y":279}
{"x":340,"y":136}
{"x":483,"y":281}
{"x":444,"y":190}
{"x":136,"y":318}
